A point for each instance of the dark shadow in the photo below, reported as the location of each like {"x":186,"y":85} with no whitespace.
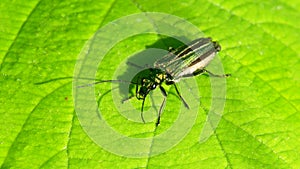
{"x":138,"y":64}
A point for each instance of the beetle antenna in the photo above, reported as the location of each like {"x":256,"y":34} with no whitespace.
{"x":104,"y":81}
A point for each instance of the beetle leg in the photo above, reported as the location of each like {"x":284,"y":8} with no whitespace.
{"x":137,"y":93}
{"x":201,"y":71}
{"x":214,"y":75}
{"x":163,"y":91}
{"x":198,"y":72}
{"x":195,"y":73}
{"x":142,"y":110}
{"x":183,"y":101}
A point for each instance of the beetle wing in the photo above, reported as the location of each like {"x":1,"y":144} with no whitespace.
{"x":184,"y":61}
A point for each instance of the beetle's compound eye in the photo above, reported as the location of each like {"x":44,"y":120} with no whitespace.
{"x":153,"y":86}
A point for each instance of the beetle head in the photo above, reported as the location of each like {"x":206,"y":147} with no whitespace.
{"x":146,"y":86}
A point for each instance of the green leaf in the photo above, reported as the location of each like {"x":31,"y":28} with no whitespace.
{"x":41,"y":40}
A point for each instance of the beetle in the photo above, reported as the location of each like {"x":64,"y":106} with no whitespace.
{"x":186,"y":61}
